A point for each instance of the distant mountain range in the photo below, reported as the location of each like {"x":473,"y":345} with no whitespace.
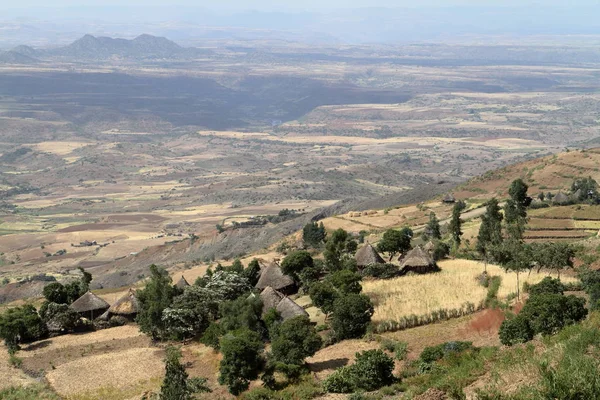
{"x":92,"y":47}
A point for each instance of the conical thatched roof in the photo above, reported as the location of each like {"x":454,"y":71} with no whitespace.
{"x":560,"y":198}
{"x":89,"y":302}
{"x":289,"y":309}
{"x":270,"y":298}
{"x":429,"y":246}
{"x":449,"y":198}
{"x":126,"y":305}
{"x":273,"y":276}
{"x":182,"y":283}
{"x":575,"y":196}
{"x":367,"y":255}
{"x":417,"y":257}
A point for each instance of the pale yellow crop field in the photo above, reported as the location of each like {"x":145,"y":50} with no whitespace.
{"x":452,"y":287}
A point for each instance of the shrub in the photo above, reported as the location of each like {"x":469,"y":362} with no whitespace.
{"x":153,"y":300}
{"x":260,"y":393}
{"x":431,"y":354}
{"x":242,"y":359}
{"x":400,"y":349}
{"x":514,"y":331}
{"x":547,"y":285}
{"x":243,"y":313}
{"x":372,"y":370}
{"x":547,"y":313}
{"x":341,"y":381}
{"x":323,"y":295}
{"x":345,"y":281}
{"x":381,"y":271}
{"x":351,"y":316}
{"x":176,"y":384}
{"x":212,"y":335}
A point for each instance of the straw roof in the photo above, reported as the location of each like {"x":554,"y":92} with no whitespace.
{"x":575,"y":196}
{"x":89,"y":302}
{"x":560,"y":198}
{"x":126,"y":305}
{"x":273,"y":276}
{"x":417,"y":257}
{"x":270,"y":298}
{"x":182,"y":283}
{"x":289,"y":309}
{"x":449,"y":198}
{"x":429,"y":246}
{"x":367,"y":255}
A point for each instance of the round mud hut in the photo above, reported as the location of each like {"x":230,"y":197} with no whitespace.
{"x":90,"y":306}
{"x":367,"y":255}
{"x":270,"y":298}
{"x":274,"y":277}
{"x":418,"y":261}
{"x":127,"y":306}
{"x":287,"y":308}
{"x":182,"y":283}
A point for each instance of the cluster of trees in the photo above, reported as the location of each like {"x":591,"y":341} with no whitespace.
{"x":546,"y":312}
{"x":222,"y":311}
{"x":372,"y":370}
{"x":25,"y":324}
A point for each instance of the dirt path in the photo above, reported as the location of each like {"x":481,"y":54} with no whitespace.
{"x":10,"y":376}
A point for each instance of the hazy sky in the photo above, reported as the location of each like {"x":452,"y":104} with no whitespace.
{"x":283,"y":5}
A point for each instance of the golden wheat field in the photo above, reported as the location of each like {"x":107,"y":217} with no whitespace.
{"x":452,"y":287}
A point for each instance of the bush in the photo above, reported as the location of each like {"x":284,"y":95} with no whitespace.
{"x":351,"y":316}
{"x":372,"y":370}
{"x":400,"y":349}
{"x":323,"y":295}
{"x":432,"y":354}
{"x":381,"y":271}
{"x":212,"y":335}
{"x":547,"y":285}
{"x":176,"y":384}
{"x":547,"y":313}
{"x":341,"y":381}
{"x":345,"y":281}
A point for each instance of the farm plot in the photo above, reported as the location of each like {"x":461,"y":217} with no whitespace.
{"x":452,"y":287}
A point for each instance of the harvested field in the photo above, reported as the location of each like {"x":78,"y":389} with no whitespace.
{"x":118,"y":375}
{"x":452,"y":287}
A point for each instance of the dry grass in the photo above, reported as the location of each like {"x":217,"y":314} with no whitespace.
{"x":450,"y":288}
{"x":115,"y":375}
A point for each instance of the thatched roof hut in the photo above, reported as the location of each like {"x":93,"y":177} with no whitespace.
{"x":561,"y":198}
{"x":449,"y":198}
{"x":90,"y":305}
{"x":273,"y":276}
{"x":182,"y":283}
{"x":126,"y":306}
{"x":429,"y":247}
{"x":270,"y":298}
{"x":289,"y":309}
{"x":367,"y":255}
{"x":418,"y":260}
{"x":576,"y":196}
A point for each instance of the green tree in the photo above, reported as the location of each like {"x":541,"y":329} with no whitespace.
{"x":294,"y":340}
{"x":243,"y":312}
{"x":351,"y":316}
{"x":394,"y":242}
{"x":373,"y":369}
{"x":554,"y":256}
{"x":153,"y":300}
{"x":513,"y":255}
{"x":515,"y":209}
{"x":56,"y":292}
{"x":227,"y":285}
{"x":237,"y":266}
{"x":455,"y":225}
{"x":587,"y":187}
{"x":518,"y":193}
{"x":242,"y":359}
{"x":490,"y":230}
{"x":323,"y":295}
{"x":296,"y":262}
{"x":345,"y":282}
{"x":176,"y":384}
{"x":432,"y":230}
{"x":313,"y":234}
{"x":60,"y":315}
{"x":21,"y":325}
{"x":191,"y":312}
{"x":335,"y":248}
{"x":252,"y":272}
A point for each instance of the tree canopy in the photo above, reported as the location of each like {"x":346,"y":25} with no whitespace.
{"x":395,"y":241}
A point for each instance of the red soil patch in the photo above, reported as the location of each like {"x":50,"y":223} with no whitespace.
{"x":490,"y":320}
